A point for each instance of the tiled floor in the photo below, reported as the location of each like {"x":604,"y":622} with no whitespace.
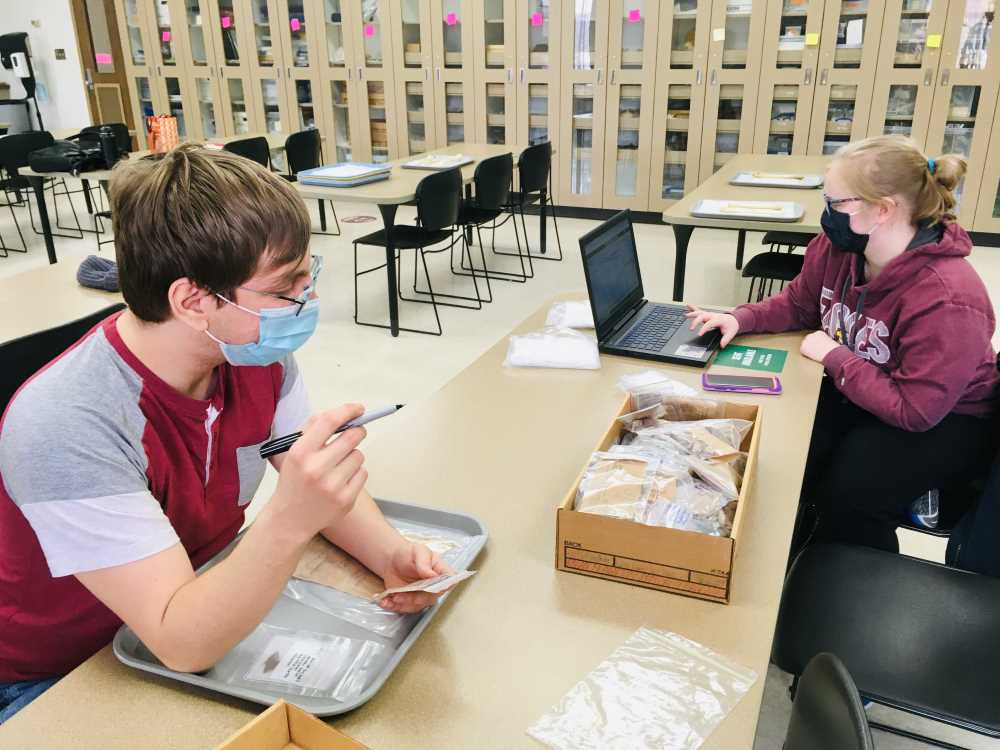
{"x":346,"y":362}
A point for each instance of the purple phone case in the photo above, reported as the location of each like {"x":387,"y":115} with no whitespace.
{"x":776,"y":390}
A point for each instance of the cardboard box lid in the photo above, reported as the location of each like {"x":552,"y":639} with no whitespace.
{"x":287,"y":727}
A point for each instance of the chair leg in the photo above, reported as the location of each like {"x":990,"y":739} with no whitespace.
{"x":478,"y":300}
{"x":322,"y":220}
{"x":430,"y":290}
{"x":497,"y":274}
{"x":17,"y":225}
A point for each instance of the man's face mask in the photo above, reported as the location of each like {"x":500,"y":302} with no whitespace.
{"x":282,"y":329}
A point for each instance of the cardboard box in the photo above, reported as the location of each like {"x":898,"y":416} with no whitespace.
{"x":681,"y":562}
{"x":287,"y":727}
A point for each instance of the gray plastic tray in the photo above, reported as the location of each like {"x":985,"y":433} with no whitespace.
{"x":288,"y":613}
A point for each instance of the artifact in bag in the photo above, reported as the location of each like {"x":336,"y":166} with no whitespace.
{"x":328,"y":565}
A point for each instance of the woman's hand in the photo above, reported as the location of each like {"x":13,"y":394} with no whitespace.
{"x":708,"y":321}
{"x":817,"y":345}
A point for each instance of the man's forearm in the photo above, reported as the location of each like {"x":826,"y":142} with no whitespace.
{"x":365,"y":534}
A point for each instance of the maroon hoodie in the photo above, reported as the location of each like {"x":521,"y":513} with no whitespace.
{"x":918,"y":335}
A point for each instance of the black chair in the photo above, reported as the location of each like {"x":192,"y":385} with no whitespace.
{"x":256,"y":149}
{"x":534,"y":176}
{"x":492,"y":182}
{"x":24,"y":356}
{"x":827,"y":713}
{"x":766,"y":268}
{"x":917,"y":636}
{"x":304,"y":150}
{"x":438,"y":201}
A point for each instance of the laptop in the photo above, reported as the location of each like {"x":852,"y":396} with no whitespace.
{"x":627,"y":323}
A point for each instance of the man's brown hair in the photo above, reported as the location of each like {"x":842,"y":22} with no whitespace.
{"x":209,"y":216}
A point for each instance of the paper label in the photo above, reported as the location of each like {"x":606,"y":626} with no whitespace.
{"x":431,"y":585}
{"x":812,"y":38}
{"x":451,"y":19}
{"x":226,"y":22}
{"x":369,"y":30}
{"x":635,"y":15}
{"x":296,"y":24}
{"x":718,"y":35}
{"x":537,"y":19}
{"x":103,"y":58}
{"x":933,"y":41}
{"x":302,"y":662}
{"x":165,"y":36}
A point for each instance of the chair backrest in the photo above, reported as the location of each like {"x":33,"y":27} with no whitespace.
{"x":493,"y":180}
{"x":23,"y":357}
{"x":14,"y":148}
{"x":533,"y":166}
{"x":439,"y":197}
{"x":827,"y":713}
{"x":255,"y":149}
{"x":303,"y":151}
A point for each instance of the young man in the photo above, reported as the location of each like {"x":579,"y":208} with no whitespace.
{"x":129,"y":460}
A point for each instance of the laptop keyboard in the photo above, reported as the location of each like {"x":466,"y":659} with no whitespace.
{"x":653,"y":332}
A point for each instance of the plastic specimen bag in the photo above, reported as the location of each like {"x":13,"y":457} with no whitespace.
{"x":570,"y":315}
{"x":554,"y":347}
{"x":658,"y":691}
{"x":301,"y":663}
{"x":650,"y":387}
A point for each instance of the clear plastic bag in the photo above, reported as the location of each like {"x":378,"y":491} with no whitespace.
{"x":570,"y":315}
{"x":301,"y":663}
{"x":705,"y":438}
{"x":651,"y":387}
{"x":658,"y":691}
{"x":554,"y":347}
{"x":616,"y":485}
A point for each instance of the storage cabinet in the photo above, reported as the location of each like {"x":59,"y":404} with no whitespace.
{"x":494,"y":58}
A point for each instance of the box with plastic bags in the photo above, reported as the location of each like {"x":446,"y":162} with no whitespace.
{"x":660,"y":502}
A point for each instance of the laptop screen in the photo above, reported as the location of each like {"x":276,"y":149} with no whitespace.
{"x":611,"y":264}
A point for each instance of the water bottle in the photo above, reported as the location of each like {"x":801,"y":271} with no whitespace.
{"x":109,"y":146}
{"x":925,"y":509}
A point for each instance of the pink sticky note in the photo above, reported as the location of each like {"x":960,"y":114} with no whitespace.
{"x":103,"y":58}
{"x":296,"y":24}
{"x":165,"y":36}
{"x":537,"y":19}
{"x":635,"y":15}
{"x":451,"y":19}
{"x":226,"y":22}
{"x":369,"y":29}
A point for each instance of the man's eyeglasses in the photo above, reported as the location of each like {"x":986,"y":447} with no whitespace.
{"x":833,"y":203}
{"x":300,"y":300}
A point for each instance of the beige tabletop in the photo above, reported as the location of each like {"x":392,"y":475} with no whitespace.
{"x":717,"y":187}
{"x":504,"y":445}
{"x":401,"y":186}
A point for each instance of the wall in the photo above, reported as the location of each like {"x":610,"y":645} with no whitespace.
{"x":65,"y":105}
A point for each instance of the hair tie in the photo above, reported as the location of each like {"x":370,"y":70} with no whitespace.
{"x":931,"y":165}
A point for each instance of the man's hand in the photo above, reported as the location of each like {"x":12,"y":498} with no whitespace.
{"x":707,"y":321}
{"x":412,"y":562}
{"x":319,"y":482}
{"x":817,"y":345}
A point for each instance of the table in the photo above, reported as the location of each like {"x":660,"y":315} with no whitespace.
{"x":717,"y":187}
{"x":401,"y":187}
{"x":504,"y":445}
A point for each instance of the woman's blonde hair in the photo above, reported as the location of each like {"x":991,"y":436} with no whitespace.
{"x":893,"y":165}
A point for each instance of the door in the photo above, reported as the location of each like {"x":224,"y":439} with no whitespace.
{"x":583,"y":91}
{"x":538,"y":62}
{"x":454,"y":80}
{"x":495,"y":54}
{"x":169,"y":84}
{"x":966,"y":96}
{"x":300,"y":28}
{"x":231,"y":33}
{"x":631,"y":64}
{"x":267,"y":75}
{"x":103,"y":63}
{"x":987,"y":218}
{"x":848,"y":55}
{"x":135,"y":35}
{"x":413,"y":38}
{"x":336,"y":82}
{"x":678,"y":112}
{"x":788,"y":76}
{"x":906,"y":77}
{"x":735,"y":42}
{"x":374,"y":99}
{"x":203,"y":78}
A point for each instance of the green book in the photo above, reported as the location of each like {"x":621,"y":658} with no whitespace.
{"x":752,"y":358}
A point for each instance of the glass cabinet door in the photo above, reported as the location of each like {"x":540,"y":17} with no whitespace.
{"x":164,"y":45}
{"x":583,"y":82}
{"x":848,"y":58}
{"x":201,"y":53}
{"x":537,"y":77}
{"x":414,"y":40}
{"x":679,"y":101}
{"x":906,"y":77}
{"x":494,"y":55}
{"x":966,"y":97}
{"x":734,"y":69}
{"x":209,"y":124}
{"x":788,"y":77}
{"x":335,"y":39}
{"x":632,"y":47}
{"x":453,"y":82}
{"x":340,"y":130}
{"x":377,"y":127}
{"x":137,"y":33}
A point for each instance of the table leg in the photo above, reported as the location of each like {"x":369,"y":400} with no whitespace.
{"x":682,"y":236}
{"x":741,"y":245}
{"x":541,"y":219}
{"x":86,"y":196}
{"x":388,"y":220}
{"x":38,"y":183}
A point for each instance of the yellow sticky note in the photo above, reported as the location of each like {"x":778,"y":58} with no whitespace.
{"x":933,"y":40}
{"x":719,"y":35}
{"x":812,"y":39}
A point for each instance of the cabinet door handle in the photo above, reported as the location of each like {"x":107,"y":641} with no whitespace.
{"x":808,"y":78}
{"x":522,"y":75}
{"x":613,"y":71}
{"x":277,"y":72}
{"x":697,"y":77}
{"x":714,"y":78}
{"x":437,"y":73}
{"x":361,"y":73}
{"x":824,"y":77}
{"x":510,"y":75}
{"x":349,"y":74}
{"x":598,"y":76}
{"x":289,"y":71}
{"x":427,"y":74}
{"x":928,"y":77}
{"x":945,"y":77}
{"x":159,"y":72}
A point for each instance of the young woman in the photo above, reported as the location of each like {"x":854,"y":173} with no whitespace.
{"x":902,"y":326}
